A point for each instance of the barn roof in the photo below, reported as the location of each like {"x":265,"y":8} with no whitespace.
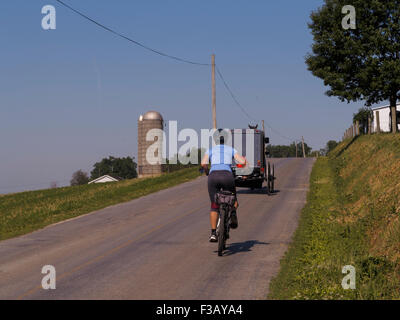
{"x":384,"y":107}
{"x":102,"y":177}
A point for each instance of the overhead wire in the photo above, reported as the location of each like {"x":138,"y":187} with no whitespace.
{"x":227,"y":87}
{"x":130,"y":39}
{"x":179,"y":59}
{"x":244,"y":110}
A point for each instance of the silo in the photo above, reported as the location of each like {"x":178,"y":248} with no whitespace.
{"x":150,"y":120}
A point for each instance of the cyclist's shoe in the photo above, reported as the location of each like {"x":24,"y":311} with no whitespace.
{"x":234,"y":220}
{"x":213,"y":237}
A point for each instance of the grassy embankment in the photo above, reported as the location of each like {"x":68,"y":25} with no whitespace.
{"x":352,"y":217}
{"x":24,"y":212}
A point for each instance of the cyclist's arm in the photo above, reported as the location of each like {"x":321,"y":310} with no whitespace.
{"x":240,"y":159}
{"x":205,"y":161}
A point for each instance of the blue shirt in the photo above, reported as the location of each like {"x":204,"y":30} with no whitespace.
{"x":221,"y":157}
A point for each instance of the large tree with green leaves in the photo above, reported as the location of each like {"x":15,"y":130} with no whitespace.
{"x":124,"y":168}
{"x":361,"y":63}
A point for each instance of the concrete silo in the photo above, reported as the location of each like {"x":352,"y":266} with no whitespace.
{"x":150,"y":120}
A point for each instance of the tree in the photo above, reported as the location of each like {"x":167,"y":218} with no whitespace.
{"x":281,"y":151}
{"x":361,"y":63}
{"x":331,"y":144}
{"x":124,"y":168}
{"x":362,"y":117}
{"x":79,"y":178}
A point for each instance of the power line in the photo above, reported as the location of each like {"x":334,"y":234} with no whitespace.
{"x":233,"y":96}
{"x":244,"y":110}
{"x":129,"y":39}
{"x":174,"y":58}
{"x":281,"y":135}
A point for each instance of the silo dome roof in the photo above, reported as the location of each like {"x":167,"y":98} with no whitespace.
{"x":152,"y":115}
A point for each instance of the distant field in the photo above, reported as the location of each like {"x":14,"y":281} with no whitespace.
{"x":352,"y":217}
{"x":24,"y":212}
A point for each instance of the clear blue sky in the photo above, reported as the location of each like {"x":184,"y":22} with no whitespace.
{"x":71,"y":96}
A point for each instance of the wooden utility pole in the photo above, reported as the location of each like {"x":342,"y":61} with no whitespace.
{"x":304,"y":152}
{"x":214,"y":93}
{"x":296,"y":148}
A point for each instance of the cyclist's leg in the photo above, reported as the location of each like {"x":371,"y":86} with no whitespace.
{"x":212,"y":191}
{"x":229,"y":184}
{"x":227,"y":181}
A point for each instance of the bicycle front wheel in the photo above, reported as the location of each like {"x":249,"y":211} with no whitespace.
{"x":221,"y":231}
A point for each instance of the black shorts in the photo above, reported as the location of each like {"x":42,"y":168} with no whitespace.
{"x":220,"y":179}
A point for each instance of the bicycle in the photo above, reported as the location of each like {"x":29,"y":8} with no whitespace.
{"x":226,"y":201}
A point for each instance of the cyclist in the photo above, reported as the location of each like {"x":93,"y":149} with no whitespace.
{"x":221,"y":176}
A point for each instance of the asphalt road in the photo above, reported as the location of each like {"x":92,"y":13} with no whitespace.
{"x":156,"y":247}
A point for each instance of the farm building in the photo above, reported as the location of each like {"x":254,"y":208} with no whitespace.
{"x":383,"y":113}
{"x":104,"y":179}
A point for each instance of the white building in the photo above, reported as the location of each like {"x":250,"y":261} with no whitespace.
{"x":384,"y":118}
{"x":104,"y":179}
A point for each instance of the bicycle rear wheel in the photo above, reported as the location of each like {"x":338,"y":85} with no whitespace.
{"x":221,"y":231}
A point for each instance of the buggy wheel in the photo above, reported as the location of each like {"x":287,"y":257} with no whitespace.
{"x":273,"y":179}
{"x":221,"y":231}
{"x":269,"y":186}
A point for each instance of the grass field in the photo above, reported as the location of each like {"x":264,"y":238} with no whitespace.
{"x":24,"y":212}
{"x":352,"y":217}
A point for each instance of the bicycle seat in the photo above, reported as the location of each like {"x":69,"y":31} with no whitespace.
{"x":225,"y":192}
{"x":225,"y":197}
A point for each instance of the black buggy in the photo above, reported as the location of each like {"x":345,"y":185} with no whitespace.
{"x":258,"y":169}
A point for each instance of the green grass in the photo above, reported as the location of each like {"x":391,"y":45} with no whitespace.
{"x":24,"y":212}
{"x":351,"y":218}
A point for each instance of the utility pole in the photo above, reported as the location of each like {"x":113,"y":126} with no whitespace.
{"x":214,"y":94}
{"x":304,"y":152}
{"x":296,"y":148}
